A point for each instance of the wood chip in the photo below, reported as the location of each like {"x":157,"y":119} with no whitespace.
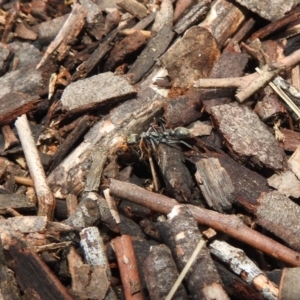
{"x":96,"y":90}
{"x":247,"y":138}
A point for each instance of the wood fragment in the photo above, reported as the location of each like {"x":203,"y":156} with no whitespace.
{"x":202,"y":278}
{"x":45,"y":197}
{"x":95,"y":255}
{"x":16,"y":104}
{"x":248,"y":140}
{"x":163,"y":16}
{"x":155,"y":48}
{"x":68,"y":32}
{"x":128,"y":268}
{"x":223,"y":20}
{"x":10,"y":138}
{"x":183,"y":60}
{"x":161,"y":272}
{"x":231,"y":225}
{"x":243,"y":266}
{"x":19,"y":202}
{"x":177,"y":177}
{"x":193,"y":16}
{"x":72,"y":204}
{"x":132,"y":116}
{"x":32,"y":273}
{"x":215,"y":184}
{"x":134,"y":7}
{"x":103,"y":88}
{"x":269,"y":215}
{"x":88,"y":65}
{"x":235,"y":286}
{"x":86,"y":281}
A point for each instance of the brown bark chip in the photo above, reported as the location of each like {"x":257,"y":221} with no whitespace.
{"x":247,"y":138}
{"x":192,"y":57}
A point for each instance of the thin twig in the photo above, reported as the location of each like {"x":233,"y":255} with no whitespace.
{"x":45,"y":198}
{"x":230,"y":225}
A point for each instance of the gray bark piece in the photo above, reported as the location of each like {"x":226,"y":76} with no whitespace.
{"x":280,"y":215}
{"x":154,"y":49}
{"x":247,"y":138}
{"x":16,"y":201}
{"x":26,"y":80}
{"x":269,"y":9}
{"x":215,"y":184}
{"x":95,"y":90}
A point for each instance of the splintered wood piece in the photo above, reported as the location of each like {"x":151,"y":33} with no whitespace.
{"x":161,"y":273}
{"x":247,"y":138}
{"x":231,"y":225}
{"x":240,"y":264}
{"x":134,"y":7}
{"x":46,"y":200}
{"x":81,"y":127}
{"x":202,"y":278}
{"x":96,"y":90}
{"x":88,"y":65}
{"x":163,"y":16}
{"x":215,"y":184}
{"x":16,"y":104}
{"x":111,"y":203}
{"x":95,"y":255}
{"x":88,"y":281}
{"x":223,"y":20}
{"x":155,"y":48}
{"x":177,"y":177}
{"x":267,"y":10}
{"x":127,"y":265}
{"x":125,"y":47}
{"x":33,"y":274}
{"x":280,"y":215}
{"x":130,"y":117}
{"x":16,"y":201}
{"x":193,"y":16}
{"x":248,"y":184}
{"x":69,"y":32}
{"x":191,"y":57}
